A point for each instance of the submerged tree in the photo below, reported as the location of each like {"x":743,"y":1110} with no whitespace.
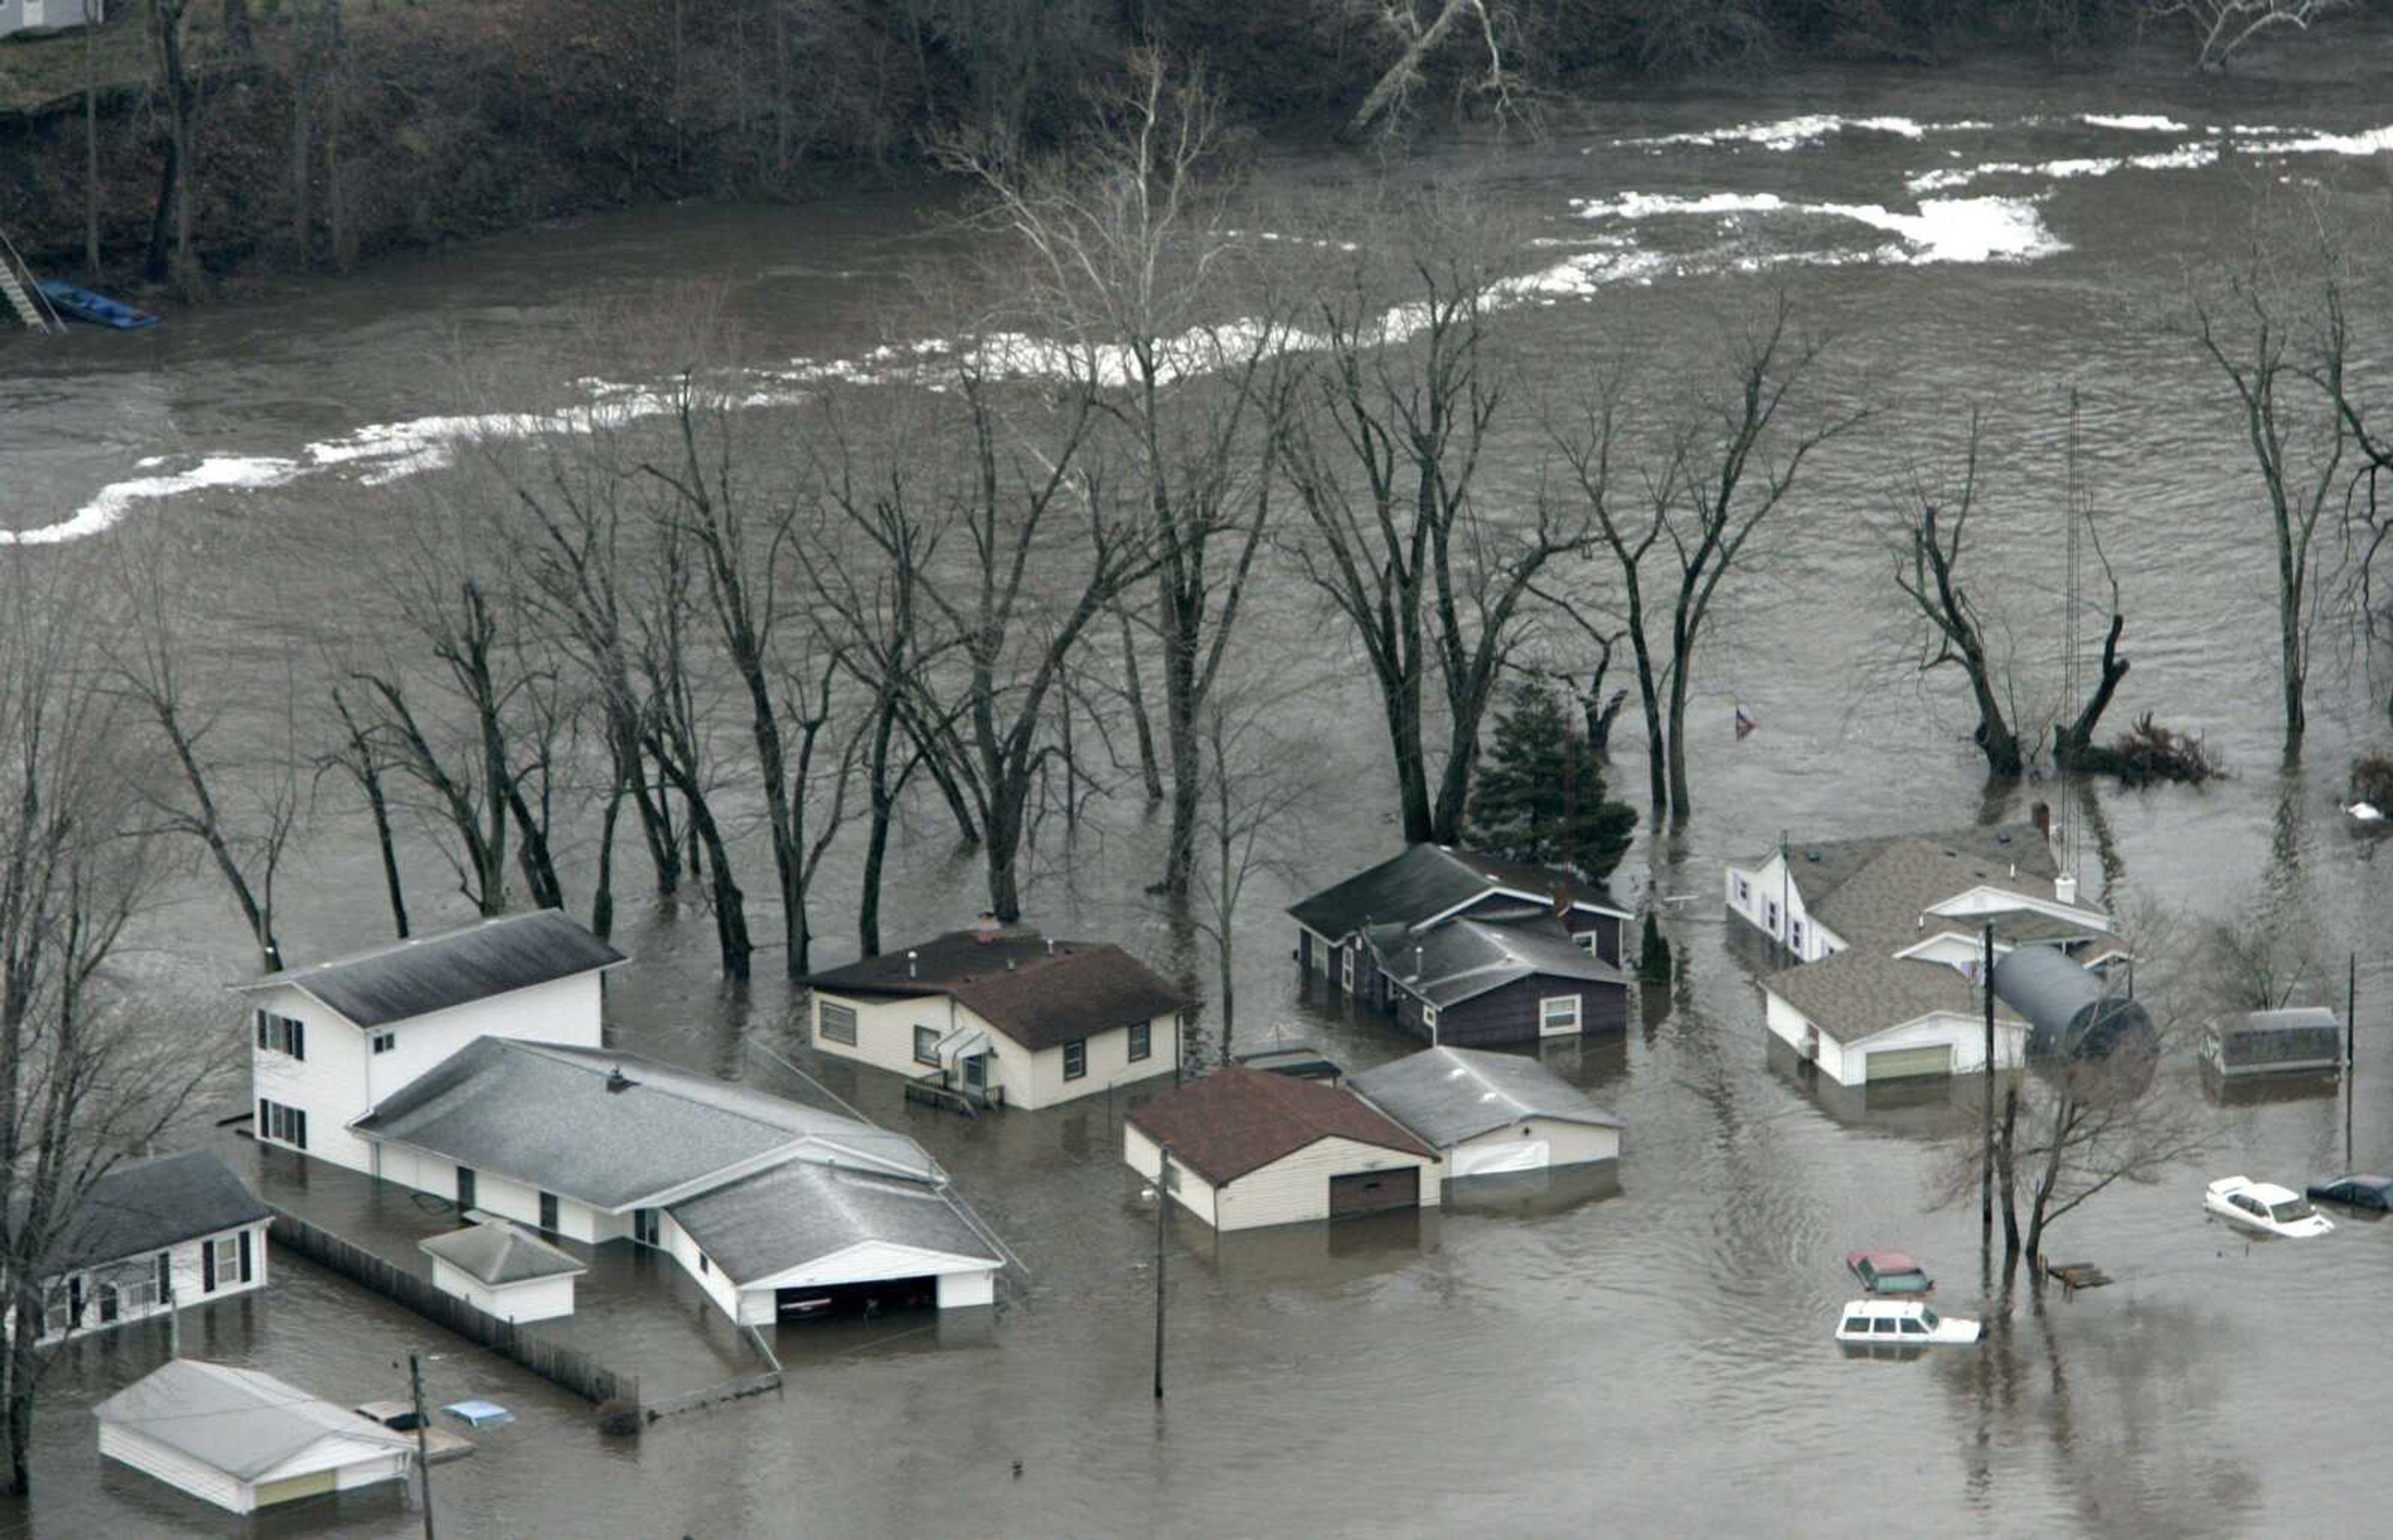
{"x":2221,"y":28}
{"x":1254,"y":787}
{"x":1540,"y":796}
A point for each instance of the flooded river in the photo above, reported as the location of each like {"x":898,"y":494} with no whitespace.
{"x":1653,"y":1359}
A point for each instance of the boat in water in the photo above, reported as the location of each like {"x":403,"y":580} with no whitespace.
{"x":80,"y":304}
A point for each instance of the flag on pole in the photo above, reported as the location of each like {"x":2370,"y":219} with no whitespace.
{"x":1746,"y":723}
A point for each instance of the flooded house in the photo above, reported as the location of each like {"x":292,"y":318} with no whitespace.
{"x":1248,"y":1149}
{"x":243,"y":1440}
{"x":1406,"y":935}
{"x":994,"y":1017}
{"x":1884,"y":939}
{"x":504,"y":1272}
{"x":1491,"y":1114}
{"x":153,"y":1235}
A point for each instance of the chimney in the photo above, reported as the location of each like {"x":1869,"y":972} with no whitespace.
{"x":1420,"y":965}
{"x":909,"y":964}
{"x":1562,"y":902}
{"x":1051,"y":945}
{"x":985,"y":928}
{"x":2042,"y":816}
{"x":2064,"y":887}
{"x":618,"y":1082}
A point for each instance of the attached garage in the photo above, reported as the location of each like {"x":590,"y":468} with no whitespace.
{"x":1374,"y":1191}
{"x":1907,"y":1064}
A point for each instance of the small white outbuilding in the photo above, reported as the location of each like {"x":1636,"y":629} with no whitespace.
{"x":504,"y":1272}
{"x":243,"y":1439}
{"x":1491,"y":1114}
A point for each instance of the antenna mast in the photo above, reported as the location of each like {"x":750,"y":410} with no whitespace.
{"x":2072,"y":671}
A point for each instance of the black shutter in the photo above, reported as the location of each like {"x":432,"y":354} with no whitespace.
{"x":260,"y":1014}
{"x":299,"y":1127}
{"x":245,"y":1256}
{"x":265,"y":1118}
{"x":298,"y":1040}
{"x":165,"y":1275}
{"x":207,"y":1267}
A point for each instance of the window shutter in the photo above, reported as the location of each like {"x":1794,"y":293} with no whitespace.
{"x":165,"y":1275}
{"x":260,"y":1014}
{"x":298,"y":1040}
{"x":207,"y":1267}
{"x":245,"y":1256}
{"x":299,"y":1127}
{"x":265,"y":1118}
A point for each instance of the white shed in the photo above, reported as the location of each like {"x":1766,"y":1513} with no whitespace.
{"x":500,"y":1269}
{"x":1489,"y":1114}
{"x":243,"y":1439}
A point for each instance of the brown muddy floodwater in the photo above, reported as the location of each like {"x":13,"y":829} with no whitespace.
{"x":1646,"y":1358}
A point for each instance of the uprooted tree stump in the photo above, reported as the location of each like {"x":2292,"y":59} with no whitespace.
{"x":2372,"y":780}
{"x":2147,"y":753}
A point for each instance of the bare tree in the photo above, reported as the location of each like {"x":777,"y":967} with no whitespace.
{"x":164,"y":20}
{"x":1383,"y":452}
{"x":2222,"y":27}
{"x":83,"y":1080}
{"x":358,"y":753}
{"x":2299,"y":456}
{"x":1255,"y":786}
{"x":1416,"y":36}
{"x":1130,"y":246}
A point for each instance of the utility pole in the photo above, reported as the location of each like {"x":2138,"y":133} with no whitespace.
{"x":1986,"y":1165}
{"x":423,"y":1460}
{"x":174,"y":1322}
{"x":2350,"y":1048}
{"x":1162,"y":1217}
{"x":1785,"y":894}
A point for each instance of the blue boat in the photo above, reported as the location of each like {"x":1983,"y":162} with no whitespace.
{"x":81,"y":304}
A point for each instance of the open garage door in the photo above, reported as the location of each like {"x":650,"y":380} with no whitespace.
{"x":1909,"y":1064}
{"x":1374,"y":1191}
{"x":881,"y":1296}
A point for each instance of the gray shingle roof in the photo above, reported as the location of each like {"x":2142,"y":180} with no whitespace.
{"x":1037,"y":992}
{"x":1858,"y":993}
{"x":498,"y":1253}
{"x":801,"y":1212}
{"x":1428,"y":880}
{"x":238,"y":1421}
{"x":1450,"y":1094}
{"x":422,"y":975}
{"x":1464,"y":958}
{"x":150,"y":1204}
{"x":1880,"y":905}
{"x":1821,"y":867}
{"x":545,"y":1113}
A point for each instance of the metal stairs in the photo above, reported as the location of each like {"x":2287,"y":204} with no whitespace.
{"x":16,"y":287}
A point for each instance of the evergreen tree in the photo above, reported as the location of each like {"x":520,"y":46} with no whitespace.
{"x":1540,"y":792}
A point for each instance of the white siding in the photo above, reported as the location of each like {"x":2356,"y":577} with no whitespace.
{"x":884,"y":1037}
{"x":186,"y":1274}
{"x":342,"y":1080}
{"x":964,"y":1290}
{"x":540,"y":1299}
{"x":1768,"y":885}
{"x":1847,"y":1063}
{"x":678,"y":1246}
{"x":1040,"y":1082}
{"x":357,"y":1462}
{"x":884,"y":1030}
{"x":1566,"y":1143}
{"x":173,"y":1467}
{"x":962,"y":1280}
{"x":1296,"y":1187}
{"x":1192,"y":1192}
{"x":1991,"y":900}
{"x":496,"y":1192}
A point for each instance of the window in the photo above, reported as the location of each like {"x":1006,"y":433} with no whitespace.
{"x":136,"y":1294}
{"x":703,"y":1265}
{"x":385,"y":1042}
{"x":464,"y":1187}
{"x":221,"y":1257}
{"x":1428,"y":1018}
{"x":1346,"y":969}
{"x":1588,"y":940}
{"x":1771,"y":910}
{"x":1744,"y":894}
{"x":926,"y":1045}
{"x":55,"y":1314}
{"x":1795,"y":933}
{"x":1141,"y":1040}
{"x":1076,"y":1058}
{"x":282,"y":1035}
{"x":108,"y":1304}
{"x":643,"y":1226}
{"x":282,"y":1124}
{"x":1558,"y":1015}
{"x":1857,"y":1325}
{"x":1913,"y":1329}
{"x":836,"y":1024}
{"x":1883,"y":1327}
{"x":548,"y":1211}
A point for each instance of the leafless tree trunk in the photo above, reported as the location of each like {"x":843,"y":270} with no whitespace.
{"x":360,"y":756}
{"x":1417,"y":42}
{"x":91,"y":153}
{"x":2222,"y":27}
{"x":165,"y":19}
{"x":1254,"y":789}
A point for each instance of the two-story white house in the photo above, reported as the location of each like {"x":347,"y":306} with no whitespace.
{"x":330,"y":1040}
{"x":1886,"y":942}
{"x":1002,"y":1017}
{"x":153,"y":1235}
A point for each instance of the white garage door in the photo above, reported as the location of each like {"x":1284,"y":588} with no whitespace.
{"x":1910,"y":1063}
{"x":1487,"y":1160}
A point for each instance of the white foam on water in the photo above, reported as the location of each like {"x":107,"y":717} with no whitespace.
{"x":117,"y":499}
{"x":2373,"y":141}
{"x":2134,"y":123}
{"x":1795,"y":132}
{"x":2201,"y":152}
{"x":1649,"y":206}
{"x":1959,"y":229}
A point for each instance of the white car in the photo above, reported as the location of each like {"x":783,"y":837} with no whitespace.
{"x":1900,"y":1324}
{"x":2265,"y":1206}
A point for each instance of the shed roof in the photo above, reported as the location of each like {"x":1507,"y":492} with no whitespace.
{"x":497,"y":1253}
{"x":1858,"y":993}
{"x":2291,"y":1018}
{"x":1464,"y":958}
{"x":794,"y":1214}
{"x":238,"y":1421}
{"x":1819,"y":868}
{"x":1450,"y":1094}
{"x":422,"y":975}
{"x":1237,"y":1120}
{"x":1040,"y":993}
{"x":1428,"y":881}
{"x":610,"y":1128}
{"x":150,"y":1204}
{"x":1881,"y":904}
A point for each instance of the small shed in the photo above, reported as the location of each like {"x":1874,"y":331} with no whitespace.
{"x":2071,"y":1010}
{"x":1250,"y":1148}
{"x":503,"y":1271}
{"x":1491,"y":1114}
{"x":2302,"y":1040}
{"x":243,"y":1439}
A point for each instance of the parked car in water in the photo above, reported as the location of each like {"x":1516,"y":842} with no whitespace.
{"x":2265,"y":1206}
{"x":1900,"y":1324}
{"x":2369,"y":1194}
{"x":1890,"y":1273}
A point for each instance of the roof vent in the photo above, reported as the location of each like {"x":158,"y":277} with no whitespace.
{"x":910,"y":972}
{"x":1810,"y":855}
{"x":618,"y":1082}
{"x":1051,"y":945}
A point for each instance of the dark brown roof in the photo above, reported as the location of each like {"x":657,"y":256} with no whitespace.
{"x":1237,"y":1120}
{"x":1014,"y":981}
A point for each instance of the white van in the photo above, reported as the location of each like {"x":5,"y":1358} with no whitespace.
{"x":1900,"y":1324}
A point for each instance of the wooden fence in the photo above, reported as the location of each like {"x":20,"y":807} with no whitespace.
{"x":559,"y":1365}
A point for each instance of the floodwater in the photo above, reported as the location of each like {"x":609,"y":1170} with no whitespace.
{"x":1653,"y":1359}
